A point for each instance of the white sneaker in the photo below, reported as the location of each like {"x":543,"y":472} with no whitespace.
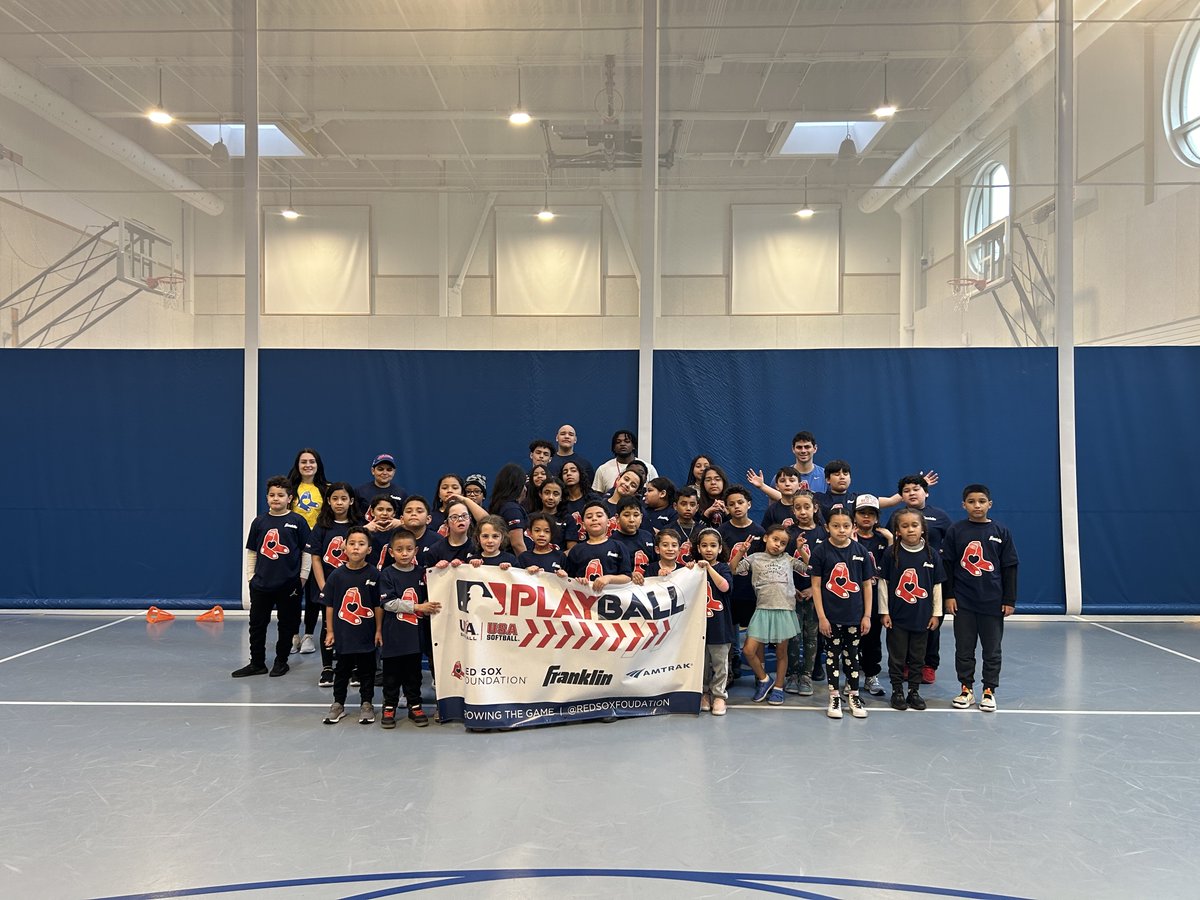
{"x":856,"y":707}
{"x":987,"y":703}
{"x":835,"y":706}
{"x":874,"y":688}
{"x":307,"y":645}
{"x":295,"y":644}
{"x":965,"y":700}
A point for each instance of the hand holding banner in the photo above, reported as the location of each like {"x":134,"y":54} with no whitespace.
{"x":513,"y":649}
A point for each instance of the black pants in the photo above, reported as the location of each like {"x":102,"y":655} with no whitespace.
{"x":871,"y":648}
{"x":402,"y":671}
{"x":362,"y":665}
{"x":906,"y":648}
{"x":312,"y":605}
{"x":933,"y":646}
{"x":326,"y":652}
{"x":286,"y":601}
{"x":842,"y":649}
{"x":988,"y":631}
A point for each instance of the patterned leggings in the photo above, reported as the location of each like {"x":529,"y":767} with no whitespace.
{"x":842,"y":646}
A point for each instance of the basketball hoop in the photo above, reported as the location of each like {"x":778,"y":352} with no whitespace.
{"x":163,"y":284}
{"x":963,"y":289}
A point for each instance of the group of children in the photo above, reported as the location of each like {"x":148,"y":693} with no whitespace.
{"x":817,"y":577}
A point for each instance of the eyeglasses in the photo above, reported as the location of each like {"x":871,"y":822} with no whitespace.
{"x":460,"y":517}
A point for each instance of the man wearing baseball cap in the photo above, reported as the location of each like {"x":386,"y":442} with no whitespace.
{"x":383,"y":470}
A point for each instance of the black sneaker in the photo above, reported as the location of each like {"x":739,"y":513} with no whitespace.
{"x":389,"y":717}
{"x":280,"y":668}
{"x":417,"y":716}
{"x":915,"y":700}
{"x":898,"y":700}
{"x":326,"y":680}
{"x":818,"y":674}
{"x":251,"y":669}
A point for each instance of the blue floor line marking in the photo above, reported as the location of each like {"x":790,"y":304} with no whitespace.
{"x":446,"y":878}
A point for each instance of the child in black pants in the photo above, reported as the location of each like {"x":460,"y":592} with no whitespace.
{"x":910,"y":602}
{"x":353,"y":620}
{"x":277,"y":568}
{"x":981,"y":592}
{"x":403,"y":598}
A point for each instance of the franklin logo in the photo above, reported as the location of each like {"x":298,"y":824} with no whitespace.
{"x":557,"y":675}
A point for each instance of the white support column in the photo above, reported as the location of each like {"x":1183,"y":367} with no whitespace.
{"x":1064,"y":291}
{"x":648,"y":264}
{"x":456,"y":290}
{"x":252,"y":225}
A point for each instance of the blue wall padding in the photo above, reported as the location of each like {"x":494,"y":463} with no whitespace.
{"x":438,"y":411}
{"x":1137,"y":438}
{"x":984,"y":415}
{"x":123,"y":477}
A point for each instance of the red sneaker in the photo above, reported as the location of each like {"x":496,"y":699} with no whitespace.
{"x":928,"y":675}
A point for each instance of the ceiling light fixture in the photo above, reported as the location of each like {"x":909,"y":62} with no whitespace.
{"x":847,"y":150}
{"x":159,"y":115}
{"x":519,"y":116}
{"x":545,"y":214}
{"x":289,"y":211}
{"x":886,"y":109}
{"x":219,"y":152}
{"x":806,"y":211}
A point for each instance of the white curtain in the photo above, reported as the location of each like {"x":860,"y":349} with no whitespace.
{"x":783,"y":264}
{"x":548,"y":268}
{"x":318,"y":264}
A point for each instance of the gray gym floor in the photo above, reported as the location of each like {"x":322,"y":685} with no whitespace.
{"x":133,"y":765}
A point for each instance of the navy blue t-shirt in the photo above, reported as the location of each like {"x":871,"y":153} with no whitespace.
{"x":976,"y":553}
{"x":719,"y":629}
{"x":442,"y":550}
{"x":328,"y":545}
{"x":590,"y":561}
{"x":279,"y":542}
{"x":639,"y":546}
{"x":587,"y":472}
{"x":379,"y":556}
{"x":658,"y":519}
{"x":843,"y":573}
{"x":574,"y":509}
{"x":876,"y":545}
{"x":502,"y":557}
{"x":937,"y":523}
{"x":814,"y":537}
{"x":401,"y":635}
{"x":354,"y":596}
{"x":910,"y":576}
{"x":368,"y":492}
{"x":514,"y":515}
{"x":552,"y":562}
{"x":685,"y":549}
{"x":777,"y":513}
{"x":827,"y":502}
{"x":731,"y":536}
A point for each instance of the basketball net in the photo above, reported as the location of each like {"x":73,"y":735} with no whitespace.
{"x":964,"y":289}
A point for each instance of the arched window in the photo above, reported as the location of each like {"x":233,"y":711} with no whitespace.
{"x":1181,"y":96}
{"x":987,"y":204}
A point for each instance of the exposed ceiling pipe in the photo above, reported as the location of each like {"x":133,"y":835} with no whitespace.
{"x":62,"y":113}
{"x":1034,"y":45}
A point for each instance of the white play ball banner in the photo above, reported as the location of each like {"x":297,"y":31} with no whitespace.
{"x":513,"y":649}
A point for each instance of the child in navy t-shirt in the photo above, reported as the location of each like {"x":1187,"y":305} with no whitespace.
{"x":599,"y":560}
{"x":544,"y":557}
{"x":405,"y":602}
{"x":277,"y":568}
{"x":353,"y":625}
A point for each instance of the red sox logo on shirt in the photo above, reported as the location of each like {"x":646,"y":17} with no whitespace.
{"x":804,"y":485}
{"x":685,"y":551}
{"x":973,"y":561}
{"x":612,"y":525}
{"x":640,"y":561}
{"x":443,"y":530}
{"x":353,"y":610}
{"x":579,"y":521}
{"x":713,"y":605}
{"x":410,"y":596}
{"x":739,"y":549}
{"x":273,"y":548}
{"x":788,"y":522}
{"x":909,"y":589}
{"x":335,"y":555}
{"x":840,"y":582}
{"x":594,"y":570}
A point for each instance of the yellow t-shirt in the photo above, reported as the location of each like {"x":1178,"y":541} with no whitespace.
{"x":308,"y":503}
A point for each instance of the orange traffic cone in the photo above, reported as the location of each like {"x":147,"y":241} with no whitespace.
{"x":216,"y":614}
{"x":154,"y":614}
